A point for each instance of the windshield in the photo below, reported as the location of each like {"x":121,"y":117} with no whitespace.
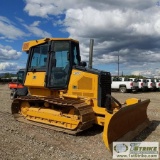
{"x":39,"y":57}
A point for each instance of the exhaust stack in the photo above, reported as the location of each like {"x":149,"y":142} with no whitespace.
{"x":91,"y":53}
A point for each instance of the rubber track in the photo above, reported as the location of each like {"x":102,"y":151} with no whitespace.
{"x":87,"y":116}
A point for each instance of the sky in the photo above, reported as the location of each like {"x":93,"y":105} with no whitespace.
{"x":128,"y":29}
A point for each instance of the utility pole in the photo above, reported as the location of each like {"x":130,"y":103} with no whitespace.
{"x":118,"y":64}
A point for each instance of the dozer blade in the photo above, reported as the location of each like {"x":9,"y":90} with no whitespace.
{"x":126,"y":123}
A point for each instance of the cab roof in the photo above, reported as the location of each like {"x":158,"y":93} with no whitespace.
{"x":27,"y":45}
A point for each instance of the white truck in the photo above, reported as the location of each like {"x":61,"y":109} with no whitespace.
{"x":142,"y":83}
{"x":157,"y":81}
{"x":151,"y":84}
{"x":124,"y":84}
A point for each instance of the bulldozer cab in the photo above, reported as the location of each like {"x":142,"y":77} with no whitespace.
{"x":55,"y":58}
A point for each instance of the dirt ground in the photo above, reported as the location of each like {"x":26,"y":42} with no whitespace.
{"x":19,"y":141}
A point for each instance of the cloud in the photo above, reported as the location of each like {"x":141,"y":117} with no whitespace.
{"x":9,"y":30}
{"x":7,"y":56}
{"x":7,"y":66}
{"x":147,"y":72}
{"x":132,"y":34}
{"x":42,"y":8}
{"x":128,"y":28}
{"x":8,"y":53}
{"x":35,"y":23}
{"x":34,"y":30}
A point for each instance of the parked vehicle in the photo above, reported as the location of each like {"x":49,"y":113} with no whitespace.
{"x":124,"y":84}
{"x":18,"y":83}
{"x":142,"y":83}
{"x":157,"y":81}
{"x":17,"y":88}
{"x":151,"y":84}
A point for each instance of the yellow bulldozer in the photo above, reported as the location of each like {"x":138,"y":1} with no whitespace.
{"x":66,"y":95}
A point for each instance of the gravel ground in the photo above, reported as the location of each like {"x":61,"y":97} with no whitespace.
{"x":19,"y":141}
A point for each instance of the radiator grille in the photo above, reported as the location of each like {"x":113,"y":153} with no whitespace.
{"x":104,"y":88}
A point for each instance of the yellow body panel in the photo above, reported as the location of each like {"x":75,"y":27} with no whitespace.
{"x":36,"y":85}
{"x":84,"y":85}
{"x":35,"y":79}
{"x":40,"y":92}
